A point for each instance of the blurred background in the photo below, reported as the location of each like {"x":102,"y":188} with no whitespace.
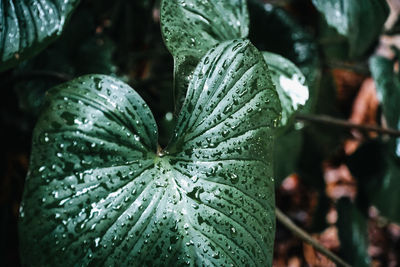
{"x":341,"y":185}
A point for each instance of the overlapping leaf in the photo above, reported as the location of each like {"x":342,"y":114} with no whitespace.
{"x":287,"y":38}
{"x":388,"y":87}
{"x":191,"y":27}
{"x":27,"y":26}
{"x":99,"y":192}
{"x":293,"y":94}
{"x":353,"y":234}
{"x":360,"y":21}
{"x":290,"y":84}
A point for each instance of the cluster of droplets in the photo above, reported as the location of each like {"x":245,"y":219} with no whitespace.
{"x":111,"y":199}
{"x":29,"y":24}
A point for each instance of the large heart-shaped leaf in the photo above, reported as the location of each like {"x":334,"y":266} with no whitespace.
{"x":290,"y":84}
{"x":191,"y":27}
{"x":360,"y":21}
{"x":100,"y":192}
{"x":27,"y":26}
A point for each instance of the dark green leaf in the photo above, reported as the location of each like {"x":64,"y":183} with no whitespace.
{"x":27,"y":26}
{"x":353,"y":234}
{"x":272,"y":29}
{"x":387,"y":197}
{"x":289,"y":83}
{"x":79,"y":51}
{"x":368,"y":164}
{"x":94,"y":55}
{"x":377,"y":173}
{"x":99,"y":192}
{"x":320,"y":141}
{"x":388,"y":86}
{"x":191,"y":27}
{"x":293,"y":94}
{"x":360,"y":21}
{"x":287,"y":150}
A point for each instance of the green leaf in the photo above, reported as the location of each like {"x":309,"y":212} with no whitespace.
{"x":290,"y":84}
{"x":99,"y":192}
{"x":353,"y":234}
{"x":387,"y":198}
{"x":288,"y":39}
{"x":293,"y":95}
{"x":287,"y":150}
{"x":80,"y":50}
{"x":360,"y":21}
{"x":28,"y":26}
{"x":377,"y":173}
{"x":388,"y":88}
{"x":191,"y":27}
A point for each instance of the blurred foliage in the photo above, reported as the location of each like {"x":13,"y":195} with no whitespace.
{"x":122,"y":38}
{"x":352,"y":225}
{"x":351,"y":27}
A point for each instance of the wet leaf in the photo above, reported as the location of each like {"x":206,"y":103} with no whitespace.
{"x":294,"y":43}
{"x":77,"y":52}
{"x":59,"y":59}
{"x":191,"y":27}
{"x":26,"y":27}
{"x":274,"y":30}
{"x":290,"y":84}
{"x":360,"y":21}
{"x":99,"y":192}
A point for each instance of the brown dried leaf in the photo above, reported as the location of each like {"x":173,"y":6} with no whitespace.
{"x":364,"y":111}
{"x":330,"y":240}
{"x":339,"y":182}
{"x":347,"y":84}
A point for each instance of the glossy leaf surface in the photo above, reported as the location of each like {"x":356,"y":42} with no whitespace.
{"x":293,"y":93}
{"x":27,"y":26}
{"x":99,"y":192}
{"x":290,"y":40}
{"x":191,"y":27}
{"x":290,"y":84}
{"x":360,"y":21}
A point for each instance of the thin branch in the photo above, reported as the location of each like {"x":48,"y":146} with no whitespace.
{"x":323,"y":119}
{"x":360,"y":68}
{"x":282,"y":218}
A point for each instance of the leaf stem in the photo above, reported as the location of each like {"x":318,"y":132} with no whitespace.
{"x":297,"y":231}
{"x":324,"y":119}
